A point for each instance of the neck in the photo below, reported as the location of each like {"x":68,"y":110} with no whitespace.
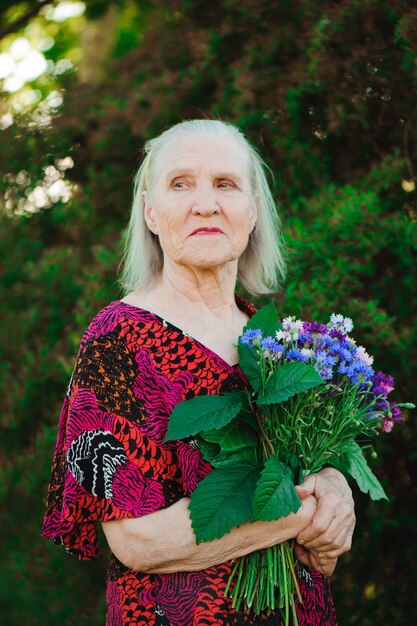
{"x":213,"y":288}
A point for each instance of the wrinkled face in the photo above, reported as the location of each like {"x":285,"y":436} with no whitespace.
{"x":201,"y":207}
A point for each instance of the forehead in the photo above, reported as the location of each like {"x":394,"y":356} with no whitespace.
{"x":216,"y":154}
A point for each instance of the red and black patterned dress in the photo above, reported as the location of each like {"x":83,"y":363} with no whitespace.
{"x":111,"y":462}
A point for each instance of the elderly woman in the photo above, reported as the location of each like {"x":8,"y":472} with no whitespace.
{"x":202,"y":218}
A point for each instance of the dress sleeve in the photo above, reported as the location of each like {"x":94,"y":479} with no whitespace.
{"x":105,"y":465}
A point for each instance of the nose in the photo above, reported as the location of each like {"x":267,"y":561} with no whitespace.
{"x":205,"y":201}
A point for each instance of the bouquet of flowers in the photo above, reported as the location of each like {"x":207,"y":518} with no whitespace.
{"x":313,"y":393}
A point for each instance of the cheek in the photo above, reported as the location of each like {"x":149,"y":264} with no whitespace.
{"x":169,"y":232}
{"x":241,"y":242}
{"x":241,"y":224}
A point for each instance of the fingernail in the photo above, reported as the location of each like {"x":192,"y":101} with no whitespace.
{"x":301,"y":541}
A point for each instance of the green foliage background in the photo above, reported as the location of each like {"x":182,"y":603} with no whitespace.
{"x":328,"y":92}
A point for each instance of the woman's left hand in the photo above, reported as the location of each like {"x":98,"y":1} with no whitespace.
{"x":330,"y":533}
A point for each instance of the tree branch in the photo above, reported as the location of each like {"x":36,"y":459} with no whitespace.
{"x":24,"y":19}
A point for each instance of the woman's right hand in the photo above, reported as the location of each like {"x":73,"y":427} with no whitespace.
{"x":330,"y":533}
{"x":309,"y":557}
{"x":314,"y":560}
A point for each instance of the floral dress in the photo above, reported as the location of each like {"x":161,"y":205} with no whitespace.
{"x":111,"y":462}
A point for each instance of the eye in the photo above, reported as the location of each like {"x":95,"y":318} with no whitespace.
{"x":226,"y":184}
{"x":178,"y":184}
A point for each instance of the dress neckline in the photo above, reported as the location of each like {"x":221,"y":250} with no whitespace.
{"x":244,"y":306}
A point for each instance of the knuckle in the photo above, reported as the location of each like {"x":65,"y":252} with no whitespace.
{"x":329,"y":539}
{"x":320,"y":528}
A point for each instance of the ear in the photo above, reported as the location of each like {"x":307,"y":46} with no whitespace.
{"x":148,"y":214}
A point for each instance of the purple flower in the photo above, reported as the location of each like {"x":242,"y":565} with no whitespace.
{"x":382,"y":384}
{"x":387,"y":424}
{"x":337,"y":334}
{"x":315,"y":327}
{"x":396,"y":414}
{"x":382,"y":405}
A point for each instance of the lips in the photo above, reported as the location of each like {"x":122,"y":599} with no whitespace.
{"x":206,"y":231}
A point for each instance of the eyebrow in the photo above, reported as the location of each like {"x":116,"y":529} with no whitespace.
{"x":186,"y":171}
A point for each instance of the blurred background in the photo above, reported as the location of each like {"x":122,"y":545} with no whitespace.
{"x":328,"y":93}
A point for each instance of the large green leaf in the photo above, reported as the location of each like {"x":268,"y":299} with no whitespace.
{"x":266,"y":319}
{"x":353,"y":462}
{"x":249,"y":364}
{"x":223,"y":499}
{"x":202,"y":414}
{"x":247,"y":416}
{"x":233,"y":436}
{"x":288,"y":380}
{"x":275,"y":494}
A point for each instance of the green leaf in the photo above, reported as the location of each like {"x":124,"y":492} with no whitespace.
{"x":249,"y":364}
{"x":225,"y":458}
{"x":266,"y":319}
{"x":202,"y":414}
{"x":288,"y":380}
{"x":223,"y":499}
{"x":247,"y":416}
{"x":233,"y":436}
{"x":355,"y":463}
{"x":275,"y":494}
{"x":209,"y":450}
{"x":292,"y":461}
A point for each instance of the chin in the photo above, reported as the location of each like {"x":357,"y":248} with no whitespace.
{"x":207,"y":261}
{"x":208,"y":256}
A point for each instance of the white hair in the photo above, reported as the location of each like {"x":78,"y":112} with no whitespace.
{"x":261,"y":267}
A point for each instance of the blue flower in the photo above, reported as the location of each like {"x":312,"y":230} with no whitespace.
{"x":341,"y":349}
{"x":343,"y":367}
{"x":325,"y":372}
{"x":305,"y":337}
{"x":295,"y":354}
{"x":324,"y":359}
{"x":251,"y":335}
{"x":271,"y":344}
{"x":357,"y":371}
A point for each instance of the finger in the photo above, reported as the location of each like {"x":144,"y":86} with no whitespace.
{"x":332,"y":543}
{"x":307,"y":487}
{"x":318,"y":527}
{"x":327,"y":568}
{"x":332,"y":518}
{"x":301,"y":554}
{"x":325,"y":565}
